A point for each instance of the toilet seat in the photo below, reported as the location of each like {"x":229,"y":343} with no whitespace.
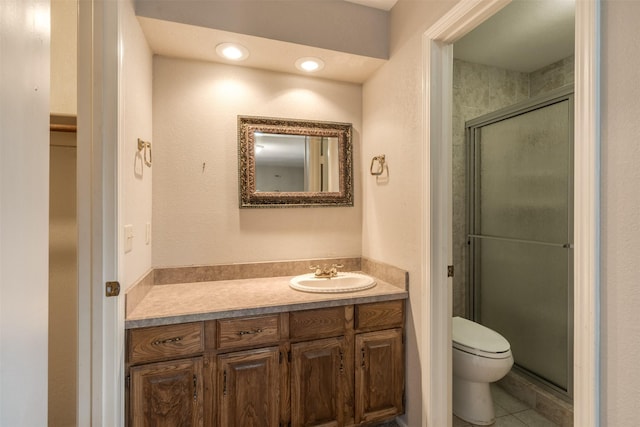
{"x":473,"y":338}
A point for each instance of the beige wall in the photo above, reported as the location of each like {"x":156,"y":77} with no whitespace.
{"x":63,"y":287}
{"x":63,"y":281}
{"x":392,"y":211}
{"x":195,"y":179}
{"x":620,"y":214}
{"x":64,"y":63}
{"x":136,"y":104}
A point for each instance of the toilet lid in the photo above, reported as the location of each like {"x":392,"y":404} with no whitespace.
{"x":475,"y":336}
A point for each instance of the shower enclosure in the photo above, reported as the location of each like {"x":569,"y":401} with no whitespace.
{"x":521,"y":232}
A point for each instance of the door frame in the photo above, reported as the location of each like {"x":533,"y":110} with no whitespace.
{"x":437,"y":57}
{"x":100,"y":329}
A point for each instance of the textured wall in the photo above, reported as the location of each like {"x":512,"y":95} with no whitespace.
{"x":392,"y":211}
{"x":136,"y":105}
{"x":551,"y":77}
{"x":620,"y":215}
{"x":195,"y":171}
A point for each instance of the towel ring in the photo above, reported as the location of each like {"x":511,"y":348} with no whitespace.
{"x":143,"y":145}
{"x":380,"y":169}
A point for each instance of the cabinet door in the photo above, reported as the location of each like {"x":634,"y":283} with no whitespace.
{"x":317,"y":383}
{"x":379,"y":375}
{"x":248,"y":388}
{"x":167,"y":394}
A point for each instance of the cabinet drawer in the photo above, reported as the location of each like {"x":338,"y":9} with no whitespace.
{"x":248,"y":331}
{"x":162,"y":342}
{"x":379,"y":315}
{"x":320,"y":323}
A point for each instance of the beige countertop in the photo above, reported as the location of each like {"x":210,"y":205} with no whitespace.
{"x":190,"y":302}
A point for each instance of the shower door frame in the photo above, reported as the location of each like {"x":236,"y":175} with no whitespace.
{"x":565,"y":93}
{"x":435,"y":323}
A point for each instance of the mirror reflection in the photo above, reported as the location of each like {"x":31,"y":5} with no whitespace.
{"x":296,"y":163}
{"x":286,"y":162}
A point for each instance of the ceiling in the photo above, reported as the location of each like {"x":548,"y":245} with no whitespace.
{"x":281,"y":150}
{"x":524,"y":36}
{"x":178,"y":40}
{"x":377,"y":4}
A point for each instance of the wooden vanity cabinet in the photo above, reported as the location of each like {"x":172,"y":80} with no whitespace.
{"x":248,"y":378}
{"x":379,"y":361}
{"x":165,"y":392}
{"x":318,"y":383}
{"x":249,"y":388}
{"x":327,"y":367}
{"x":379,"y":376}
{"x":321,"y":384}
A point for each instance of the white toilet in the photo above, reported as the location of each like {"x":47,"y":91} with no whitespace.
{"x":480,"y":356}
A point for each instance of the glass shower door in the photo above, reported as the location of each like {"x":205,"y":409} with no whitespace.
{"x":520,"y":233}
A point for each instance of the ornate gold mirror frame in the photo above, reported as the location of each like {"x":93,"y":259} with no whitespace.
{"x":250,"y":128}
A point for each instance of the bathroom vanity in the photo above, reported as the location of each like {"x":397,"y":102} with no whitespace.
{"x":287,"y":358}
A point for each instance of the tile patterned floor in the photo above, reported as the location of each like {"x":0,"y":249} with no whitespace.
{"x":510,"y":412}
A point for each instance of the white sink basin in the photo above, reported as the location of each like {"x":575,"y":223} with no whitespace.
{"x":343,"y":282}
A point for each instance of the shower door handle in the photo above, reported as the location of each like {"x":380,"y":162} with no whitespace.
{"x":509,"y":239}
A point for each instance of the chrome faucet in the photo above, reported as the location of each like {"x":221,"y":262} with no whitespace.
{"x":326,"y":272}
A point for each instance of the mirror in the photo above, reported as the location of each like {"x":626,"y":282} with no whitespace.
{"x":286,"y":162}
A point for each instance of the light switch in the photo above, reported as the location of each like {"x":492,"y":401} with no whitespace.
{"x":147,"y":235}
{"x":128,"y":238}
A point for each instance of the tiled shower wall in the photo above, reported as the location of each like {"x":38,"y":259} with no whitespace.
{"x":478,"y":90}
{"x":551,"y":77}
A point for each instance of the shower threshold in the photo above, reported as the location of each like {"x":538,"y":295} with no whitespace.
{"x":553,"y":404}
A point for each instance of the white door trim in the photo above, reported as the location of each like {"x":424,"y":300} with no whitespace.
{"x":100,"y":347}
{"x":586,"y":285}
{"x":436,"y":246}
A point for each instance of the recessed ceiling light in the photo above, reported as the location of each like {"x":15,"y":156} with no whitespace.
{"x":309,"y":64}
{"x":232,"y":51}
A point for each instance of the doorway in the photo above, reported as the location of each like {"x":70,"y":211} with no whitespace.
{"x":436,"y":337}
{"x":63,"y":273}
